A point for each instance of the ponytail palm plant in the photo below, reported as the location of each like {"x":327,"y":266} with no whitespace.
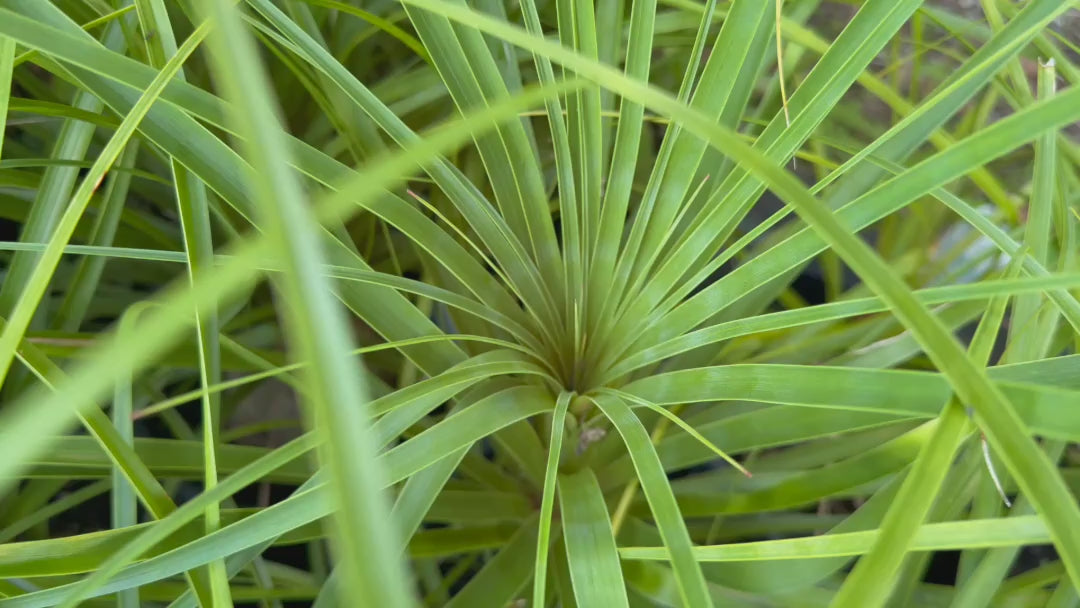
{"x":524,"y":267}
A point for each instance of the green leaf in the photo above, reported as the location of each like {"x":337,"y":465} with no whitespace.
{"x":897,"y":392}
{"x":316,"y":325}
{"x":547,"y":501}
{"x":590,"y":544}
{"x":1012,"y":531}
{"x":7,"y":64}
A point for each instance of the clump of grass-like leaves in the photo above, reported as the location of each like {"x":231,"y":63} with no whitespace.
{"x":649,"y":303}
